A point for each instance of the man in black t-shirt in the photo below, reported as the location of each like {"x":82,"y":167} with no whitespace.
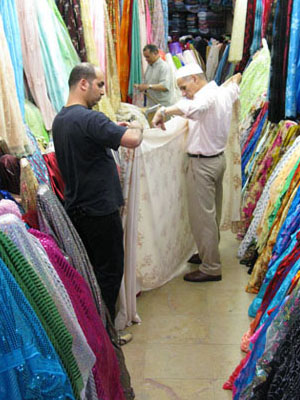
{"x":83,"y":139}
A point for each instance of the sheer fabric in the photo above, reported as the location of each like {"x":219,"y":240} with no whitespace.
{"x":37,"y":257}
{"x":32,"y":59}
{"x":44,"y":307}
{"x":30,"y":367}
{"x":238,"y":31}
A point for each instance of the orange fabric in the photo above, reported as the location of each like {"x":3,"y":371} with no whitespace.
{"x":125,"y":32}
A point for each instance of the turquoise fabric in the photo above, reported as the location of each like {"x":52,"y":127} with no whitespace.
{"x":256,"y":41}
{"x":58,"y":53}
{"x":164,"y":5}
{"x":136,"y":60}
{"x":293,"y":74}
{"x":12,"y":33}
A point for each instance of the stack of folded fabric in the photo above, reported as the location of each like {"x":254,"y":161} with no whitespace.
{"x":210,"y":22}
{"x":177,"y":24}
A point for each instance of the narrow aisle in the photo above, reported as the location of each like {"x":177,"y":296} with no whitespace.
{"x":189,"y":341}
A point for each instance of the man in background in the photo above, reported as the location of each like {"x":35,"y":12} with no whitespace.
{"x":159,"y":80}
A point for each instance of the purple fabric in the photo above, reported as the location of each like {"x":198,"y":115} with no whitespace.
{"x":106,"y":370}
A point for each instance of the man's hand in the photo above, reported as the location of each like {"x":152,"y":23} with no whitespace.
{"x":158,"y":120}
{"x":123,"y":123}
{"x":141,"y":87}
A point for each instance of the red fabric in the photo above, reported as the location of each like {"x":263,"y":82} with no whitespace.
{"x":56,"y":180}
{"x":255,"y":125}
{"x":228,"y":385}
{"x":31,"y":219}
{"x":106,"y":369}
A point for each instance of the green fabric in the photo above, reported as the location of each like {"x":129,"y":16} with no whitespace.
{"x":282,"y":194}
{"x":177,"y":62}
{"x":136,"y":60}
{"x":44,"y":307}
{"x":255,"y":80}
{"x":34,"y":120}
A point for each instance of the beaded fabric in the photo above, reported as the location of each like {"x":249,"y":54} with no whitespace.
{"x":29,"y":365}
{"x":54,"y":220}
{"x":35,"y":254}
{"x":44,"y":307}
{"x":106,"y":370}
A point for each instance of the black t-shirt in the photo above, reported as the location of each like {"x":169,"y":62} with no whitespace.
{"x":83,"y":140}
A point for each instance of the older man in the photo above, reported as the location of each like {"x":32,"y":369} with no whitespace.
{"x":159,"y":82}
{"x":208,"y":109}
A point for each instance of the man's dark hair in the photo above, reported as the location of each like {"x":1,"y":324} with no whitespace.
{"x":84,"y":70}
{"x":151,"y":47}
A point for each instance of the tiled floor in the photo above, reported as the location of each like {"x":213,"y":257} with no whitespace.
{"x":188,"y":342}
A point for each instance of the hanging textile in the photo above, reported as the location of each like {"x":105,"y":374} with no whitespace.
{"x":58,"y":53}
{"x":251,"y":5}
{"x":70,"y":11}
{"x":34,"y":120}
{"x":32,"y":59}
{"x":53,"y":220}
{"x":238,"y":31}
{"x":12,"y":31}
{"x":113,"y":8}
{"x":106,"y":371}
{"x":34,"y":253}
{"x":164,"y":6}
{"x":124,"y":70}
{"x":96,"y":9}
{"x":23,"y":353}
{"x":44,"y":307}
{"x":158,"y":28}
{"x":256,"y":41}
{"x":135,"y":62}
{"x":12,"y":128}
{"x":10,"y":173}
{"x":293,"y":74}
{"x":279,"y":61}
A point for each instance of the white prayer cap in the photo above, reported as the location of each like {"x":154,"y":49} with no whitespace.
{"x":188,"y":70}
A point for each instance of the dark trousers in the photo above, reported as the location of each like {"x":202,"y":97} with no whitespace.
{"x":103,"y":240}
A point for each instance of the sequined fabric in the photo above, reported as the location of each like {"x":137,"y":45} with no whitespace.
{"x":30,"y":367}
{"x":44,"y":307}
{"x":35,"y":254}
{"x":106,"y":370}
{"x":54,"y":221}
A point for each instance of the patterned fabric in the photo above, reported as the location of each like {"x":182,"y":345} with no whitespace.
{"x":106,"y":370}
{"x":70,"y":11}
{"x":293,"y":65}
{"x":251,"y":4}
{"x":34,"y":253}
{"x":238,"y":31}
{"x":54,"y":221}
{"x":256,"y":41}
{"x":30,"y":367}
{"x":43,"y":305}
{"x":270,"y":30}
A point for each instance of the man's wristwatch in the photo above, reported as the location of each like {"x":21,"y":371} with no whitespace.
{"x":162,"y":110}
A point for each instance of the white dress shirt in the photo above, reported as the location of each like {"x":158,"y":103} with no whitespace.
{"x":209,"y":116}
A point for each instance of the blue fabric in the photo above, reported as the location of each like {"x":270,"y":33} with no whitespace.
{"x":37,"y":161}
{"x":29,"y":365}
{"x":293,"y":72}
{"x":256,"y":41}
{"x":247,"y":373}
{"x":218,"y":76}
{"x":12,"y":33}
{"x":251,"y":146}
{"x":164,"y":5}
{"x":285,"y":242}
{"x":282,"y":291}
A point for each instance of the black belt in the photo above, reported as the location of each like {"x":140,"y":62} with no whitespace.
{"x":203,"y":156}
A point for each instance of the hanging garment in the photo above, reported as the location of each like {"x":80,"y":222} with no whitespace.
{"x":70,"y":11}
{"x":57,"y":183}
{"x":53,"y":220}
{"x":12,"y":128}
{"x":157,"y":23}
{"x":32,"y":59}
{"x":8,"y":11}
{"x":34,"y":253}
{"x":238,"y":31}
{"x":30,"y":367}
{"x":106,"y":370}
{"x":58,"y":54}
{"x":34,"y":120}
{"x":44,"y":307}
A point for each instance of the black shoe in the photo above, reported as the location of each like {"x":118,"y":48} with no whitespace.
{"x":198,"y":276}
{"x":195,"y":259}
